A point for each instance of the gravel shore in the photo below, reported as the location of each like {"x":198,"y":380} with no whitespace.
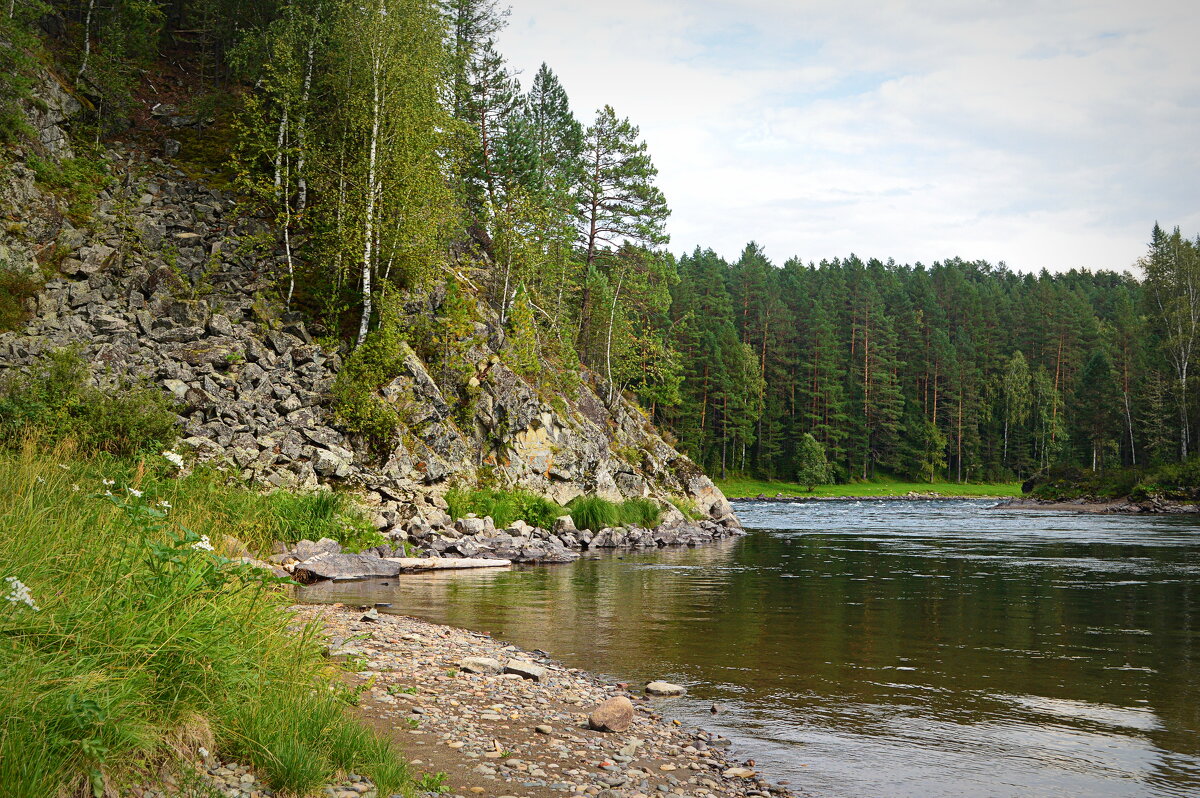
{"x":505,"y":734}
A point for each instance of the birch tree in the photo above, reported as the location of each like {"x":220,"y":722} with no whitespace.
{"x":1173,"y":284}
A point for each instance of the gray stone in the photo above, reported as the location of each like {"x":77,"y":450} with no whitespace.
{"x":170,"y":147}
{"x":344,"y":567}
{"x":664,"y":689}
{"x":526,"y":670}
{"x":485,"y":665}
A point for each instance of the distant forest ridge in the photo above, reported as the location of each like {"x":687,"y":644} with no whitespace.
{"x":959,"y":370}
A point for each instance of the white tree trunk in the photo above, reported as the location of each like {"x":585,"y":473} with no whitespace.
{"x":372,"y":189}
{"x":87,"y":35}
{"x":301,"y":180}
{"x":612,"y":317}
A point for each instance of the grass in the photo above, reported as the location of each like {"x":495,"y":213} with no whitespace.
{"x":745,"y":487}
{"x":595,"y":513}
{"x":138,"y":644}
{"x":588,"y":512}
{"x":504,"y":506}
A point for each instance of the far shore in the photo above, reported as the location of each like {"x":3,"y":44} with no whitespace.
{"x":748,"y":489}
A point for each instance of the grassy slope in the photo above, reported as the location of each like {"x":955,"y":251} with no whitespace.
{"x":739,"y":487}
{"x":138,"y":644}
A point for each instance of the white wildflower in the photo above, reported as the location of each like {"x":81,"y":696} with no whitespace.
{"x":108,"y":493}
{"x":134,"y":492}
{"x":63,"y":466}
{"x":19,"y":593}
{"x":173,"y":458}
{"x":108,"y":482}
{"x":203,"y":544}
{"x":41,"y":480}
{"x":166,"y":505}
{"x":75,"y":487}
{"x":203,"y":752}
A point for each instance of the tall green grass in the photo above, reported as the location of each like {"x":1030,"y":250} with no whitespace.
{"x":138,"y":643}
{"x":594,"y":513}
{"x":588,"y":512}
{"x":504,"y":506}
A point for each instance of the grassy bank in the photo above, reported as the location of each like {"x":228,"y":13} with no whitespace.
{"x":740,"y":488}
{"x":127,"y":641}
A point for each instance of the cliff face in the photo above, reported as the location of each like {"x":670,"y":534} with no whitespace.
{"x":157,"y":286}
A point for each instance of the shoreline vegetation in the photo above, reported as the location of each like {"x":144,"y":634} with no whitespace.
{"x":745,"y":488}
{"x":134,"y":637}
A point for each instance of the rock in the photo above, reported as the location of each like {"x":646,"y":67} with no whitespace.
{"x":170,"y":147}
{"x":664,"y":689}
{"x":485,"y":665}
{"x":544,"y":729}
{"x":344,"y":566}
{"x":526,"y":670}
{"x":306,"y":549}
{"x":613,"y":715}
{"x":738,"y":773}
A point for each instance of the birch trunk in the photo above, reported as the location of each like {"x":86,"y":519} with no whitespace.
{"x":372,"y":188}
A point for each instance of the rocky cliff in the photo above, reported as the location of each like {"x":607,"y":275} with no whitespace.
{"x":157,"y":286}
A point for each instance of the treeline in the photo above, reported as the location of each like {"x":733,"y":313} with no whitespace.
{"x":959,"y":370}
{"x":396,"y":151}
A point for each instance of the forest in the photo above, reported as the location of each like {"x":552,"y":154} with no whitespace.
{"x":394,"y":150}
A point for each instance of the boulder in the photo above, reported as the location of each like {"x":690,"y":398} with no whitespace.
{"x":344,"y":566}
{"x":481,"y":665}
{"x":613,"y":715}
{"x":306,"y":549}
{"x":526,"y":670}
{"x":664,"y":689}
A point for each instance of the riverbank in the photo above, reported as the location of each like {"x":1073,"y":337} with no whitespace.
{"x":759,"y":489}
{"x":1124,"y":506}
{"x":499,"y":734}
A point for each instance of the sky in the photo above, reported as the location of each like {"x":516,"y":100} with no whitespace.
{"x":1049,"y":134}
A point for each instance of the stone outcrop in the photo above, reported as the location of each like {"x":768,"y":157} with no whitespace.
{"x":159,"y":288}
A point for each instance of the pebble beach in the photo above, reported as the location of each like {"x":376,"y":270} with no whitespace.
{"x":519,"y":724}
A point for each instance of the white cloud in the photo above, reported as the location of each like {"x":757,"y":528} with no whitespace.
{"x":1044,"y":137}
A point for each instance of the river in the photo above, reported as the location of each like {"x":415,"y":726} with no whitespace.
{"x":889,"y":648}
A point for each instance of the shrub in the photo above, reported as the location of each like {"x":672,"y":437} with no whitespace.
{"x":505,"y":506}
{"x":15,"y":288}
{"x":78,"y":181}
{"x":136,"y":638}
{"x":357,"y":407}
{"x":53,"y":402}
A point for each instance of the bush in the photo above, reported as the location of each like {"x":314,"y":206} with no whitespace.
{"x":15,"y":288}
{"x":357,"y":407}
{"x":127,"y":641}
{"x":78,"y":181}
{"x":505,"y":506}
{"x":53,"y":403}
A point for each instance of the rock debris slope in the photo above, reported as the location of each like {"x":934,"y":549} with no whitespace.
{"x":159,"y":286}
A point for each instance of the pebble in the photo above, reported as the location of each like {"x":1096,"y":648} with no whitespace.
{"x":497,"y":734}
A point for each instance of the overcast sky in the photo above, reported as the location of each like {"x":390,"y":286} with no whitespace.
{"x":1043,"y":134}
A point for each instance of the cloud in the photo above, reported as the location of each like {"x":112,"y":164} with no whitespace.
{"x":1043,"y":137}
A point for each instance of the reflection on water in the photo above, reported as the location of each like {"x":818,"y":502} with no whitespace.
{"x":890,"y":648}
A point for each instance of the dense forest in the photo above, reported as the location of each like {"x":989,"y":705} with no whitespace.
{"x":394,"y":150}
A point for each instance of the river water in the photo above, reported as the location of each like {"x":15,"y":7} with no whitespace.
{"x":890,"y":648}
